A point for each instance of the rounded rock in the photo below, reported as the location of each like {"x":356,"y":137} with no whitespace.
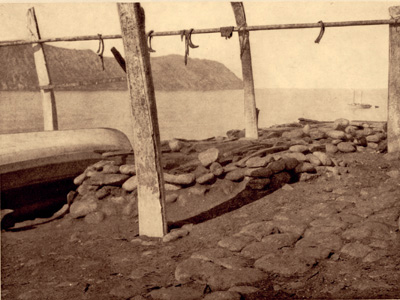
{"x":131,"y":184}
{"x":236,"y":175}
{"x":349,"y":137}
{"x":80,"y":179}
{"x":314,"y":160}
{"x":316,"y":134}
{"x":175,"y":234}
{"x":100,"y":164}
{"x":340,"y":124}
{"x":175,"y":145}
{"x":336,"y":134}
{"x":305,"y":168}
{"x":209,"y":156}
{"x":171,"y":198}
{"x":259,"y":183}
{"x":256,"y":162}
{"x":373,"y":145}
{"x":368,"y":131}
{"x":298,"y":148}
{"x":259,"y":172}
{"x":127,"y":169}
{"x":103,"y":192}
{"x":277,"y":166}
{"x":346,"y":147}
{"x":184,"y":179}
{"x":107,"y":179}
{"x":206,"y":178}
{"x":330,"y":148}
{"x":216,"y":169}
{"x":335,"y":142}
{"x":290,"y":163}
{"x":324,"y":158}
{"x":110,"y":169}
{"x":351,"y":130}
{"x":306,"y":129}
{"x":316,"y":147}
{"x":82,"y":208}
{"x":172,"y":187}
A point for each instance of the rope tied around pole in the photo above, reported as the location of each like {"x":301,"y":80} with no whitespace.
{"x":188,"y":42}
{"x":321,"y":33}
{"x":149,"y":37}
{"x":227,"y":32}
{"x":100,"y":50}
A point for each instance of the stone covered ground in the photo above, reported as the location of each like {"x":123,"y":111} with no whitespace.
{"x":310,"y":210}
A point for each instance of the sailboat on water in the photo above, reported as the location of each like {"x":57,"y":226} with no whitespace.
{"x":359,"y":104}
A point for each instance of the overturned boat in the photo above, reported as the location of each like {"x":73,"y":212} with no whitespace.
{"x":48,"y":156}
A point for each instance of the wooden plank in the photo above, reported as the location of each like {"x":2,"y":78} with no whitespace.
{"x":393,"y":129}
{"x":151,"y":194}
{"x":48,"y":100}
{"x":250,"y":114}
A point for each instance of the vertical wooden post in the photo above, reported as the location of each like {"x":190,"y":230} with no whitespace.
{"x":393,"y":125}
{"x":151,"y":194}
{"x":250,"y":114}
{"x":48,"y":99}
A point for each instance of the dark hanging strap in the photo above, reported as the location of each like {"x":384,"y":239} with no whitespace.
{"x":100,"y":50}
{"x":227,"y":32}
{"x":188,"y":42}
{"x":183,"y":34}
{"x":321,"y":33}
{"x":118,"y":57}
{"x":149,"y":37}
{"x":244,"y":40}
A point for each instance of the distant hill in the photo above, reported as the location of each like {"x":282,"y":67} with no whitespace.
{"x":17,"y":71}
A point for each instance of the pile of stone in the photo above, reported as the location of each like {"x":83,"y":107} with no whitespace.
{"x":105,"y":189}
{"x":349,"y":137}
{"x":281,"y":156}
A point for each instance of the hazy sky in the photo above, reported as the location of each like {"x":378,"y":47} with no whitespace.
{"x":347,"y":57}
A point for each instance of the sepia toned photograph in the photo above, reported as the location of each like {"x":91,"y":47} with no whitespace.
{"x":214,"y":150}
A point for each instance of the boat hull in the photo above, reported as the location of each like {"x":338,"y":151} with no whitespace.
{"x":39,"y":157}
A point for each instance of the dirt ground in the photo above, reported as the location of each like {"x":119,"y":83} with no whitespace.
{"x":70,"y":259}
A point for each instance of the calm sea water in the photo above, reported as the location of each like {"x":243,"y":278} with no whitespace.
{"x":191,"y":115}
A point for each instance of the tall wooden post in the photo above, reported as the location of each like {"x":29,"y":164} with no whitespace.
{"x":393,"y":128}
{"x":48,"y":100}
{"x":151,"y":194}
{"x":250,"y":114}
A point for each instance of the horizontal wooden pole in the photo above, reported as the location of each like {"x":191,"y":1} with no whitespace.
{"x":207,"y":30}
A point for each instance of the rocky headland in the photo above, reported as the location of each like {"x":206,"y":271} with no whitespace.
{"x":71,"y":66}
